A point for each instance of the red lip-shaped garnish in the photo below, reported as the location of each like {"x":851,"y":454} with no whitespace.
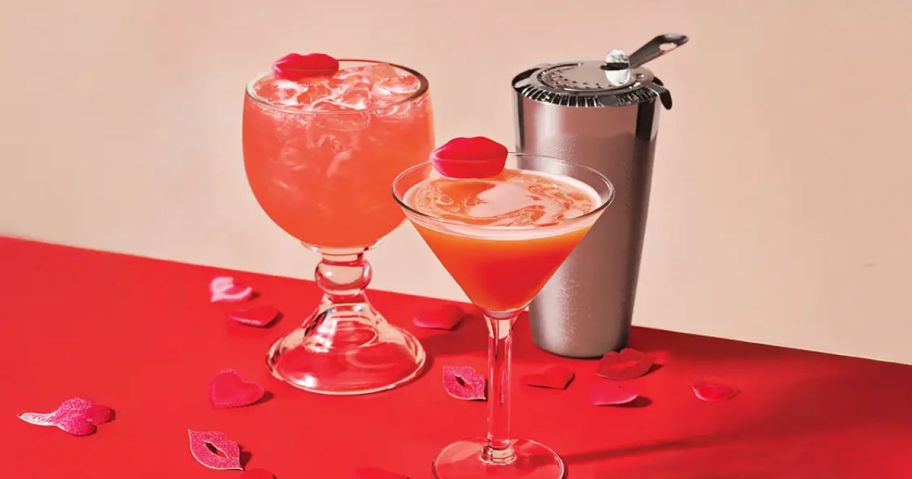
{"x":463,"y":382}
{"x":295,"y":66}
{"x":229,"y":389}
{"x":627,"y":364}
{"x":375,"y":473}
{"x":607,"y":393}
{"x":476,"y":157}
{"x":447,"y":317}
{"x":554,"y":377}
{"x":214,"y":450}
{"x":77,"y":416}
{"x":257,"y":316}
{"x":713,"y":391}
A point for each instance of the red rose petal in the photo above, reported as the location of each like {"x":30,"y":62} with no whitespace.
{"x":463,"y":382}
{"x":713,"y":391}
{"x":228,"y":455}
{"x":224,"y":289}
{"x":295,"y":66}
{"x":476,"y":157}
{"x":257,"y":474}
{"x":257,"y":316}
{"x":77,"y":416}
{"x":554,"y":377}
{"x":229,"y":389}
{"x":627,"y":364}
{"x":375,"y":473}
{"x":607,"y":393}
{"x":447,"y":317}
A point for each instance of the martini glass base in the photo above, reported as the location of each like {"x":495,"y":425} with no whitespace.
{"x":462,"y":459}
{"x":346,"y":349}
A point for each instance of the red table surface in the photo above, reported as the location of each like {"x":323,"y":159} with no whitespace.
{"x":141,"y":336}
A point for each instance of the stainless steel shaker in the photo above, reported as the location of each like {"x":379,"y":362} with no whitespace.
{"x":601,"y":114}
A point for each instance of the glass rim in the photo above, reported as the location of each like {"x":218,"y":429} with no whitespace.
{"x":595,"y":211}
{"x":422,"y":89}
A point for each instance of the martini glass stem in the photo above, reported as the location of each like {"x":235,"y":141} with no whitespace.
{"x":499,"y":448}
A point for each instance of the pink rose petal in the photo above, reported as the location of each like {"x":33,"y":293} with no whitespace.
{"x":553,"y":377}
{"x":627,"y":364}
{"x":375,"y":473}
{"x":77,"y":416}
{"x":214,"y":450}
{"x":713,"y":391}
{"x":607,"y":393}
{"x":257,"y":316}
{"x":257,"y":474}
{"x":224,"y":289}
{"x":463,"y":382}
{"x":447,"y":317}
{"x":229,"y":389}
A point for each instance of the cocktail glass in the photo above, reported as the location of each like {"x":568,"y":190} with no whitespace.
{"x":501,"y":269}
{"x":322,"y":174}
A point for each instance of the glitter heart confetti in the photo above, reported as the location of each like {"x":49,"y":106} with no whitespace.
{"x":214,"y":450}
{"x":229,"y":389}
{"x":607,"y":393}
{"x":257,"y":316}
{"x":713,"y":391}
{"x":77,"y":416}
{"x":553,"y":377}
{"x":223,"y":289}
{"x":627,"y":364}
{"x":463,"y":382}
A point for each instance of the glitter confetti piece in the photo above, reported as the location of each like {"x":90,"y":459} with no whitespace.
{"x":713,"y":391}
{"x":446,"y":317}
{"x":553,"y":377}
{"x":214,"y":450}
{"x":77,"y":416}
{"x":229,"y":389}
{"x":257,"y":474}
{"x":463,"y":382}
{"x":225,"y":290}
{"x":607,"y":393}
{"x":375,"y":473}
{"x":627,"y":364}
{"x":257,"y":316}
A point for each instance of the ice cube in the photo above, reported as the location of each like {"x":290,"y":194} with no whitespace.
{"x":354,"y":98}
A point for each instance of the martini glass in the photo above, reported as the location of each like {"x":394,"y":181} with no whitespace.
{"x":501,"y":269}
{"x":320,"y":154}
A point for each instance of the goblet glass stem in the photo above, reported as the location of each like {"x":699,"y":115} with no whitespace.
{"x":499,"y":449}
{"x":343,"y":275}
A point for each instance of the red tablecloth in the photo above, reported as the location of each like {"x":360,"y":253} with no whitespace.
{"x":141,"y":336}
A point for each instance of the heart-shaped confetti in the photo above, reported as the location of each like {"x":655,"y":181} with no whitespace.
{"x":607,"y":393}
{"x":214,"y":450}
{"x":224,"y":289}
{"x":463,"y":382}
{"x":257,"y":474}
{"x":447,"y":317}
{"x":295,"y":66}
{"x":375,"y":473}
{"x":627,"y":364}
{"x":257,"y":316}
{"x":553,"y":377}
{"x":713,"y":391}
{"x":77,"y":416}
{"x":229,"y":389}
{"x":476,"y":157}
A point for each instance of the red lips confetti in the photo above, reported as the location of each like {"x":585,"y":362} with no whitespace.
{"x":295,"y":66}
{"x":257,"y":316}
{"x":446,"y":317}
{"x":214,"y":450}
{"x":77,"y":416}
{"x":257,"y":474}
{"x":713,"y":391}
{"x":554,"y":377}
{"x":607,"y":393}
{"x":375,"y":473}
{"x":463,"y":382}
{"x":224,"y":289}
{"x":627,"y":364}
{"x":476,"y":157}
{"x":229,"y":389}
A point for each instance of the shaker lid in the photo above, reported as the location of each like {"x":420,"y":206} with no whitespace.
{"x":619,"y":80}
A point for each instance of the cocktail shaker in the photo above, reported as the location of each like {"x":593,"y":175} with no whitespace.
{"x":604,"y":115}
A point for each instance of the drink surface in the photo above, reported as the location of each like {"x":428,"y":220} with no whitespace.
{"x":502,"y":238}
{"x":321,"y":152}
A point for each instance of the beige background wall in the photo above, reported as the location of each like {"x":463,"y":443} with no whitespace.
{"x":781,"y":194}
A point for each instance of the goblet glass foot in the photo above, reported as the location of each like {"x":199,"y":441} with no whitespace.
{"x":346,"y":349}
{"x":530,"y":460}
